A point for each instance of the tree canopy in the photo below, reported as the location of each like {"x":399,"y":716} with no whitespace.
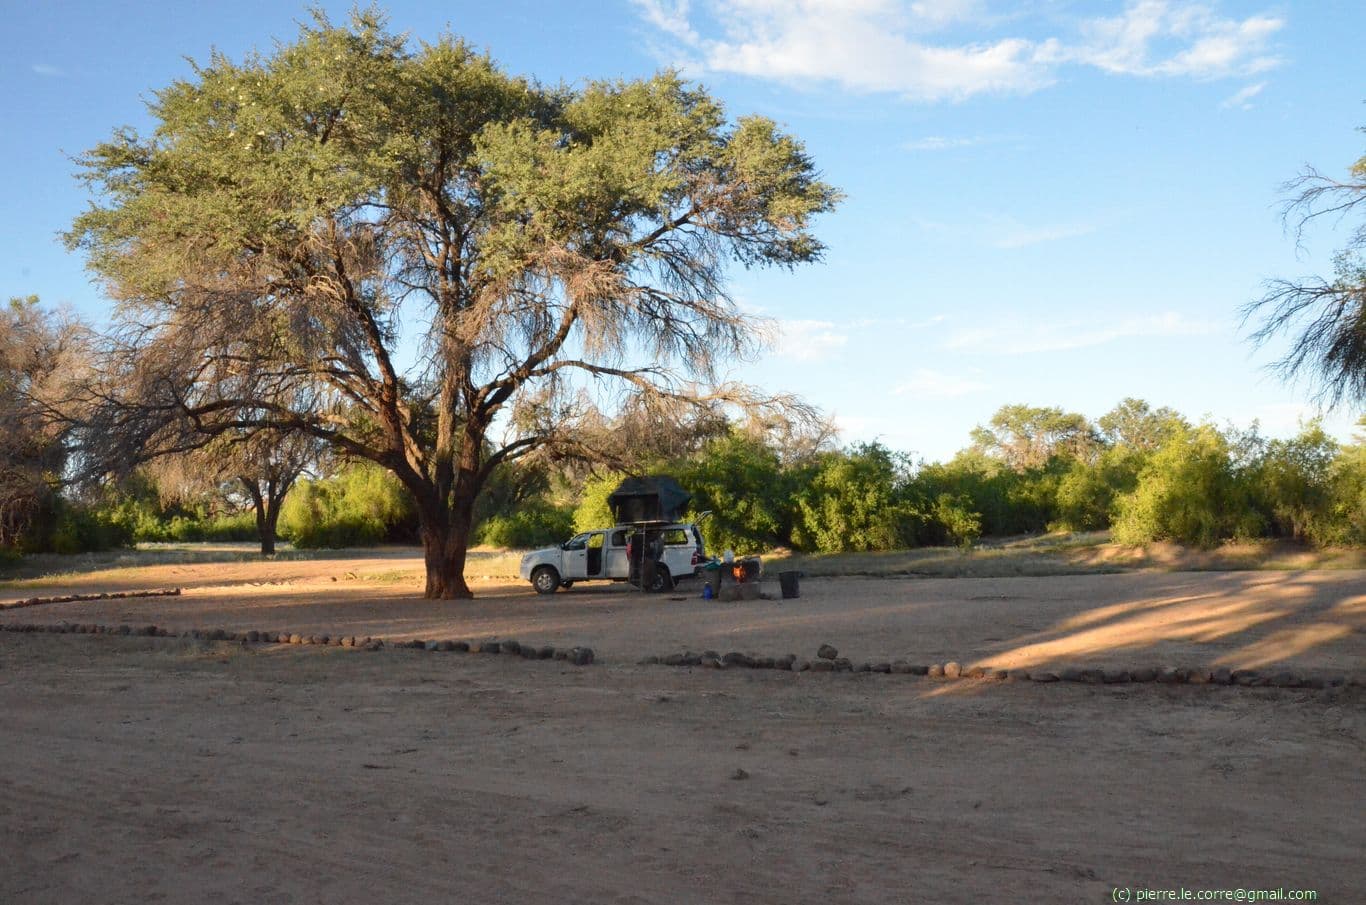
{"x":427,"y":262}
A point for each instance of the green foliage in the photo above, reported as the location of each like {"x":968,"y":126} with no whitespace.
{"x":361,"y":506}
{"x":1189,"y":491}
{"x":853,"y":502}
{"x":67,"y":527}
{"x":593,"y":511}
{"x":1293,"y":484}
{"x":536,"y":524}
{"x":748,"y":491}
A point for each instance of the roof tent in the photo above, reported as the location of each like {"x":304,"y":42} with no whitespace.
{"x":658,"y":498}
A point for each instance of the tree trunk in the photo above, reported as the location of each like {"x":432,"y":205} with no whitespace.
{"x":267,"y":516}
{"x":444,"y":542}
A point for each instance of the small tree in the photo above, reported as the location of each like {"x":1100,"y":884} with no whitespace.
{"x":299,"y":223}
{"x":260,"y":466}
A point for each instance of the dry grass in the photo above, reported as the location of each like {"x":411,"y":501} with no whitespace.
{"x":1065,"y":554}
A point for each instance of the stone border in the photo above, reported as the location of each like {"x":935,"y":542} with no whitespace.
{"x":827,"y":659}
{"x":577,"y":656}
{"x":75,"y":598}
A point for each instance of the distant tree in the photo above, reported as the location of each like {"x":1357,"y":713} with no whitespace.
{"x":297,"y":222}
{"x":1326,"y":318}
{"x":1026,"y":437}
{"x":42,"y":354}
{"x":258,"y":467}
{"x":1136,"y":424}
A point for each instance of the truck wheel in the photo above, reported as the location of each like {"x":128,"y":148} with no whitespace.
{"x":663,"y":580}
{"x":545,"y":579}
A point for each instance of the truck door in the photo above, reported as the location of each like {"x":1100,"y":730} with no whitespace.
{"x":575,"y":558}
{"x":615,"y":562}
{"x":595,"y":554}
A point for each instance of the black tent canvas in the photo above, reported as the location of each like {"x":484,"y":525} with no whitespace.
{"x":649,"y":499}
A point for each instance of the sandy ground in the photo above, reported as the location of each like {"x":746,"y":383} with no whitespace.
{"x":1304,"y":619}
{"x":155,"y":770}
{"x":165,"y":770}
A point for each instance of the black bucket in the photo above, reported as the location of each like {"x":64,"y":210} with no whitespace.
{"x":788,"y":582}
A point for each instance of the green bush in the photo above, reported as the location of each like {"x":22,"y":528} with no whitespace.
{"x":853,"y":503}
{"x":1189,"y":492}
{"x":537,"y":524}
{"x":593,"y":511}
{"x":362,"y":506}
{"x":748,"y":491}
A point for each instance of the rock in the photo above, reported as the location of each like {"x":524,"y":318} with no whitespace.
{"x":901,"y":667}
{"x":1334,"y":680}
{"x":529,"y":652}
{"x":651,"y":660}
{"x":1093,"y":676}
{"x":996,"y":675}
{"x":348,"y":641}
{"x":446,"y":646}
{"x":296,"y":639}
{"x":1285,"y":680}
{"x":560,"y":653}
{"x":935,"y":671}
{"x":863,"y":667}
{"x":462,"y":646}
{"x":882,"y":667}
{"x":1198,"y":676}
{"x":783,"y":662}
{"x":673,"y":660}
{"x":710,"y":654}
{"x":432,"y":646}
{"x":1314,"y":682}
{"x":735,"y":658}
{"x":511,"y":647}
{"x":826,"y":652}
{"x":952,"y":670}
{"x":919,"y":670}
{"x":765,"y":663}
{"x":581,"y":656}
{"x":1116,"y":676}
{"x":1070,"y":674}
{"x":972,"y":672}
{"x":1018,"y":675}
{"x":1246,"y":677}
{"x":822,"y":665}
{"x":842,"y":664}
{"x":253,"y":636}
{"x":1144,"y":674}
{"x":1168,"y":675}
{"x":711,"y":663}
{"x":491,"y":647}
{"x":739,"y":774}
{"x":800,"y":665}
{"x":1041,"y":676}
{"x":125,"y":630}
{"x":324,"y":639}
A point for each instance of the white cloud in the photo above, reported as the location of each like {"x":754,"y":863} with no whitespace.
{"x":928,"y":384}
{"x":1163,"y":38}
{"x":1023,"y":238}
{"x":1243,"y":99}
{"x":942,"y":143}
{"x":1020,"y":338}
{"x":47,"y":71}
{"x":881,"y":45}
{"x":807,"y":340}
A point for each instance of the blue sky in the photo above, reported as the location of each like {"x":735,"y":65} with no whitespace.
{"x":1057,"y":203}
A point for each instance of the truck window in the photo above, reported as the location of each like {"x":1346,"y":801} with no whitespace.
{"x":619,"y":537}
{"x":675,"y":536}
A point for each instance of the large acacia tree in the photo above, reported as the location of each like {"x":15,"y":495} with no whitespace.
{"x":425,"y":261}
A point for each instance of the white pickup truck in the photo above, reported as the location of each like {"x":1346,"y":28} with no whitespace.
{"x":601,"y":556}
